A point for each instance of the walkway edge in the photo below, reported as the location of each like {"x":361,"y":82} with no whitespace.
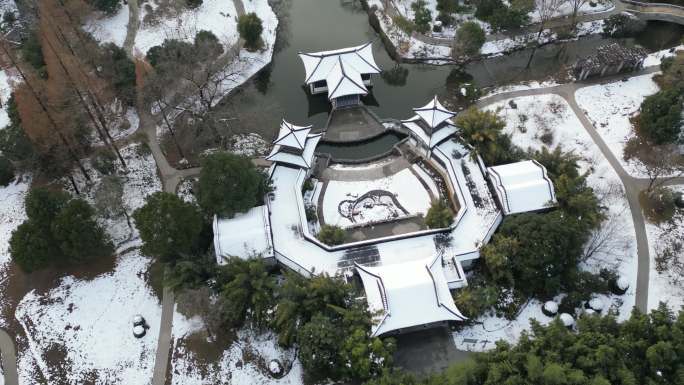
{"x":9,"y":358}
{"x":161,"y":361}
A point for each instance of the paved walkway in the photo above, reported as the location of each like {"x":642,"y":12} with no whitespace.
{"x":9,"y":358}
{"x":164,"y":343}
{"x":631,"y":184}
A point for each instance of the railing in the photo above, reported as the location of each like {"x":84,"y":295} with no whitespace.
{"x":647,"y":5}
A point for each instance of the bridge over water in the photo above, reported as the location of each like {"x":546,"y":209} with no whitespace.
{"x":655,"y":11}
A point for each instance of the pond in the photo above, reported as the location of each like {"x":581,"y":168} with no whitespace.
{"x":381,"y":144}
{"x":315,"y":25}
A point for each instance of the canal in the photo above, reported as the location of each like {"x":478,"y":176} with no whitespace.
{"x":315,"y":25}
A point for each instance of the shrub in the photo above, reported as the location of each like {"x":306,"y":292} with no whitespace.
{"x":311,"y":215}
{"x":469,"y":39}
{"x":107,"y":6}
{"x":6,"y":171}
{"x":421,"y":16}
{"x":117,"y":66}
{"x":8,"y":17}
{"x":230,"y":184}
{"x":250,"y":28}
{"x":622,"y":25}
{"x":404,"y":24}
{"x":660,"y":119}
{"x":658,"y":205}
{"x":14,"y":144}
{"x":332,"y":235}
{"x":485,"y":8}
{"x":439,"y":215}
{"x":168,"y":226}
{"x":445,"y":18}
{"x":32,"y":52}
{"x":192,"y":4}
{"x":105,"y":163}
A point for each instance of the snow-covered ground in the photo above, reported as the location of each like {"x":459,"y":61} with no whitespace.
{"x":91,"y":322}
{"x":566,"y":8}
{"x":217,"y":16}
{"x":12,"y":214}
{"x":405,"y":186}
{"x":666,"y":286}
{"x":243,"y":363}
{"x":503,"y":46}
{"x":110,"y":29}
{"x":550,"y":113}
{"x":654,"y":59}
{"x":610,"y":106}
{"x":5,"y":93}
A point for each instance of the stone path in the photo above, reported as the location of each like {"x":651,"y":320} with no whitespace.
{"x":9,"y":358}
{"x":631,"y":184}
{"x":164,"y":343}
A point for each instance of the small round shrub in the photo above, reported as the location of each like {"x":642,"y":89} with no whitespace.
{"x":331,"y":235}
{"x":6,"y":171}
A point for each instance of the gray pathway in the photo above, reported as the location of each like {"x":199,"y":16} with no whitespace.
{"x":9,"y":358}
{"x":632,"y":185}
{"x":132,"y":27}
{"x":161,"y":361}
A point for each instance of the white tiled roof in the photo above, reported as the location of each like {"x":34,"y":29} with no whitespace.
{"x":302,"y":159}
{"x":407,"y":294}
{"x":318,"y":65}
{"x":291,"y":135}
{"x":344,"y":80}
{"x":434,"y":113}
{"x":522,"y":186}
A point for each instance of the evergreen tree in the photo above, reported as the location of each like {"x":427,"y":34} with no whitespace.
{"x":77,"y":233}
{"x":230,"y":184}
{"x":168,"y":226}
{"x":250,"y":28}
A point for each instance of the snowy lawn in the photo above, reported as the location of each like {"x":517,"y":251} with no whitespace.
{"x":549,"y":117}
{"x":91,"y":320}
{"x":565,"y":9}
{"x":244,"y":362}
{"x":610,"y":106}
{"x":666,"y":285}
{"x":12,"y":214}
{"x":404,"y":185}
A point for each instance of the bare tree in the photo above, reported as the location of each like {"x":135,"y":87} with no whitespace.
{"x":610,"y":237}
{"x":576,"y":6}
{"x":546,"y":10}
{"x":661,"y":164}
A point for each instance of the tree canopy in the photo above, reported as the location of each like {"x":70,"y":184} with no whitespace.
{"x":250,"y":28}
{"x":230,"y":184}
{"x":645,"y":349}
{"x":660,"y":120}
{"x":484,"y":131}
{"x":168,"y":226}
{"x":469,"y":39}
{"x":59,"y":230}
{"x":439,"y":215}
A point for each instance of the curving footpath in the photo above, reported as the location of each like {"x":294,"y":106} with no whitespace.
{"x":9,"y":358}
{"x":633,"y":186}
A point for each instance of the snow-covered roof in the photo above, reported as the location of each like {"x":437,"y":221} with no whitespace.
{"x":318,"y":65}
{"x":300,"y":158}
{"x":292,"y":136}
{"x":245,"y":235}
{"x":522,"y":186}
{"x":403,"y":295}
{"x":434,"y":113}
{"x":433,"y":139}
{"x":343,"y":80}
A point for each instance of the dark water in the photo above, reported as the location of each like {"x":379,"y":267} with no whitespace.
{"x":363,"y":150}
{"x":314,"y":25}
